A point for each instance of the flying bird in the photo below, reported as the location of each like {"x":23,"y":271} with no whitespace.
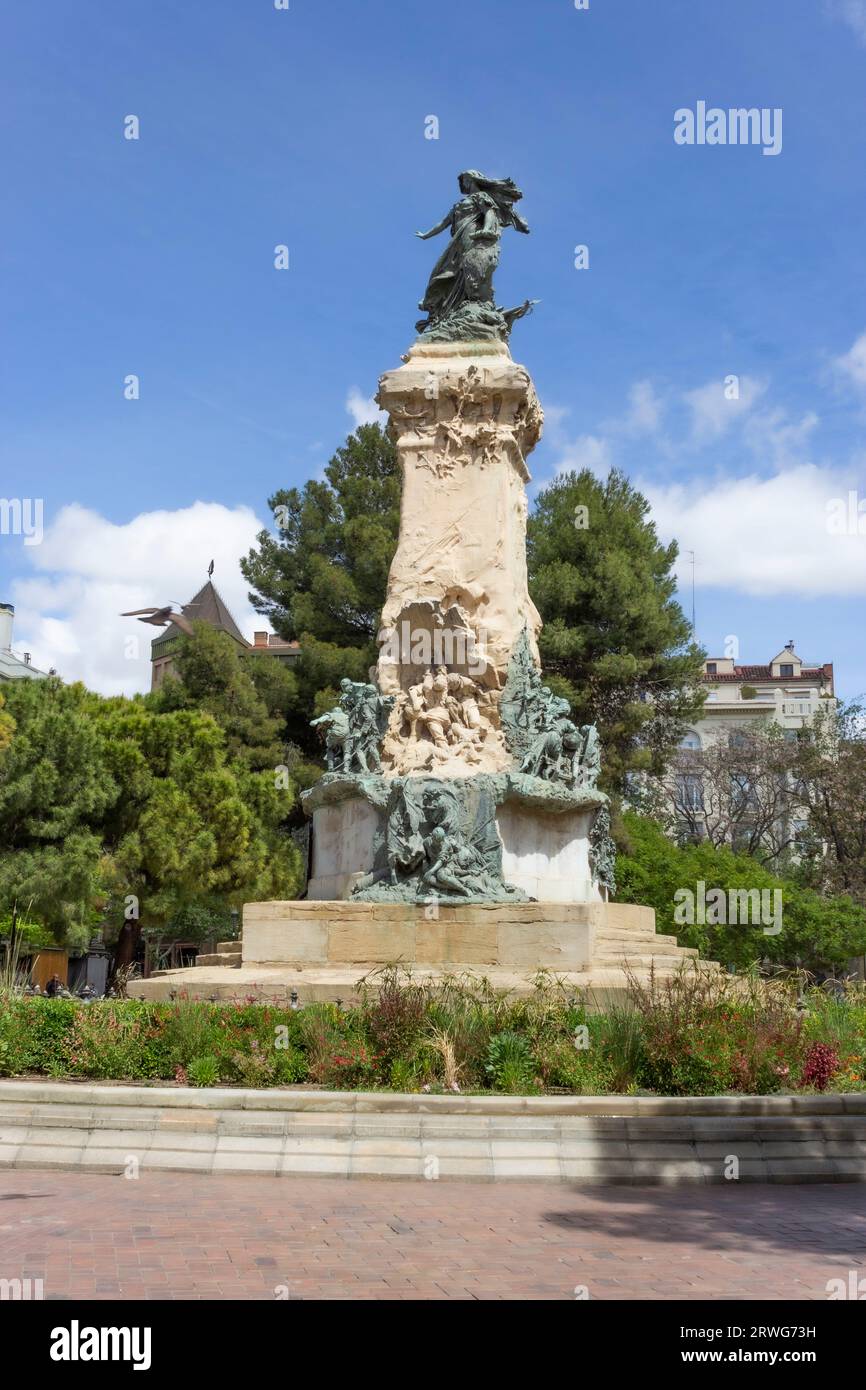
{"x":161,"y":617}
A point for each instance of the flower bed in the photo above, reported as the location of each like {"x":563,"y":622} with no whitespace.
{"x":694,"y":1034}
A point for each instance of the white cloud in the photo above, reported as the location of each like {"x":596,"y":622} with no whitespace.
{"x":715,"y":408}
{"x":363,"y":409}
{"x":772,"y":436}
{"x":645,"y":409}
{"x":852,"y":13}
{"x":587,"y":451}
{"x":851,"y":366}
{"x":89,"y":570}
{"x":765,"y":536}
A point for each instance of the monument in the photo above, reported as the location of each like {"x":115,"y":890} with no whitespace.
{"x":456,"y":776}
{"x":459,"y":824}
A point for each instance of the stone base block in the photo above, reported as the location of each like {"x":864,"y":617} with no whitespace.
{"x":517,"y":937}
{"x":320,"y":950}
{"x":544,"y":852}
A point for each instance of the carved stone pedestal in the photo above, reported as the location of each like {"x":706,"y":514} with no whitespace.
{"x":320,"y":950}
{"x":530,"y":839}
{"x":464,"y":417}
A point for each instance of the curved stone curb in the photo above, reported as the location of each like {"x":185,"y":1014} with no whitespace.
{"x":579,"y":1139}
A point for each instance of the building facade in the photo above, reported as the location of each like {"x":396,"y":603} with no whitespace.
{"x":720,"y":786}
{"x":208,"y":607}
{"x":12,"y":666}
{"x":787,"y":691}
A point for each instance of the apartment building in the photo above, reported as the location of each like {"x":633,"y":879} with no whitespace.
{"x":787,"y":690}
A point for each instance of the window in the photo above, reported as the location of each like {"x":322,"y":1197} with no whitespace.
{"x":741,"y":837}
{"x":687,"y":835}
{"x":691,"y":740}
{"x":712,"y":668}
{"x":690,"y":791}
{"x":742,"y":793}
{"x":786,"y":669}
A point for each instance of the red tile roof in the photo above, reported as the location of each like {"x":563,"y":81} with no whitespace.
{"x":824,"y":674}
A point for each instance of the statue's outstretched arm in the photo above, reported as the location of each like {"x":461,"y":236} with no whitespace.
{"x":434,"y":231}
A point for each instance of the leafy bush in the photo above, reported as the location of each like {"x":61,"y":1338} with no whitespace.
{"x":510,"y":1064}
{"x":697,"y":1032}
{"x":203,"y":1071}
{"x":820,"y":931}
{"x":822,"y":1062}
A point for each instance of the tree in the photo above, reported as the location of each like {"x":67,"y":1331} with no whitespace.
{"x":112,"y":810}
{"x":615,"y":642}
{"x":191,"y":825}
{"x":322,"y":579}
{"x":213,"y":676}
{"x":737,"y":790}
{"x":54,"y":793}
{"x":820,"y":933}
{"x":829,"y":784}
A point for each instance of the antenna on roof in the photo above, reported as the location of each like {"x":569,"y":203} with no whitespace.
{"x":692,"y":554}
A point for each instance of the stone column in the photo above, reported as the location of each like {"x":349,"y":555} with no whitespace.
{"x":464,"y":417}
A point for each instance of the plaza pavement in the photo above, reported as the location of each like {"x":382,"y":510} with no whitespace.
{"x":186,"y":1236}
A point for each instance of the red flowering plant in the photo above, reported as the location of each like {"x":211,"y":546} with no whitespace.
{"x":821,"y":1064}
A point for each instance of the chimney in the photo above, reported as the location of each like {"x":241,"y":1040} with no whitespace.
{"x":7,"y":614}
{"x":260,"y":639}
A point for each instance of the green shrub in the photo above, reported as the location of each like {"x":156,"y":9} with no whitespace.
{"x":203,"y":1071}
{"x":510,"y":1064}
{"x":694,"y":1033}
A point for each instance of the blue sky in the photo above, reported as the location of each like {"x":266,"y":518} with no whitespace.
{"x":306,"y":127}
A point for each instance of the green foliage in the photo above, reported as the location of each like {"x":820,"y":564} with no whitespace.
{"x":198,"y":921}
{"x":510,"y":1064}
{"x":818,"y":932}
{"x":693,"y":1033}
{"x":203,"y":1071}
{"x":214,"y":677}
{"x":55,"y":792}
{"x":103,"y":799}
{"x":322,"y":579}
{"x":29,"y":933}
{"x":615,"y":642}
{"x":7,"y":726}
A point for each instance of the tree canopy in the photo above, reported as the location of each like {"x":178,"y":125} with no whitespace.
{"x":113,"y":810}
{"x":818,"y":932}
{"x":321,"y":580}
{"x":615,"y":642}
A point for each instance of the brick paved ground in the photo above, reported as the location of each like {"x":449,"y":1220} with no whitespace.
{"x":184,"y":1236}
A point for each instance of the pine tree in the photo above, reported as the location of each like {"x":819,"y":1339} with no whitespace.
{"x":615,"y":642}
{"x":322,"y":580}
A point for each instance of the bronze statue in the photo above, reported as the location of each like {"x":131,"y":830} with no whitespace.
{"x":459,"y":299}
{"x":353,"y":729}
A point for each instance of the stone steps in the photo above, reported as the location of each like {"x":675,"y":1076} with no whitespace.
{"x":638,"y":961}
{"x":228,"y":954}
{"x":576,"y":1139}
{"x":631,"y":936}
{"x":605,"y":983}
